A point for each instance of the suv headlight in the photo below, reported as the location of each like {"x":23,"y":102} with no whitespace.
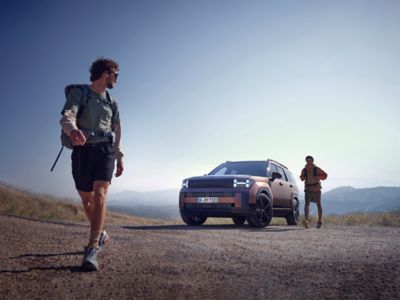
{"x":185,"y":184}
{"x":242,"y":182}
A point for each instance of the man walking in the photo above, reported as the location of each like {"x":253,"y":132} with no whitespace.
{"x":312,"y":176}
{"x":90,"y":118}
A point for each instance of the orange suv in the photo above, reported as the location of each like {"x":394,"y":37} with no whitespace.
{"x":254,"y":191}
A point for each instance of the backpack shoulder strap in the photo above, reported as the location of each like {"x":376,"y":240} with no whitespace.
{"x":315,"y":171}
{"x":112,"y":102}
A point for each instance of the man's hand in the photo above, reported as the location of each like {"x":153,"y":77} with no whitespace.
{"x":77,"y":137}
{"x":120,"y":168}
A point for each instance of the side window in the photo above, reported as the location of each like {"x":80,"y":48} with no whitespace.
{"x":289,"y":176}
{"x":280,"y":171}
{"x":271,"y":168}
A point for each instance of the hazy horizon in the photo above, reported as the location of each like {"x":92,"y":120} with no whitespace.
{"x":203,"y":82}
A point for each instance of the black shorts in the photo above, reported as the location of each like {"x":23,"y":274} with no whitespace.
{"x":92,"y":163}
{"x":313,"y":196}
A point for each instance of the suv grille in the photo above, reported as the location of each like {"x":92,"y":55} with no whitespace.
{"x":209,"y":205}
{"x":213,"y":183}
{"x":210,"y":194}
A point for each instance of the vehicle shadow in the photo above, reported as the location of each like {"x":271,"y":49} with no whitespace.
{"x":211,"y":227}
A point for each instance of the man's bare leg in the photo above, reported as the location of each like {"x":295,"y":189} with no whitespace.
{"x":87,"y":201}
{"x":307,"y":211}
{"x":100,"y":189}
{"x":319,"y":212}
{"x":306,"y":214}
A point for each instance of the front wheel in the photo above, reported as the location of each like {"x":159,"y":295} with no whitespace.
{"x":293,"y":217}
{"x":239,"y":220}
{"x":193,"y":220}
{"x":263,"y":212}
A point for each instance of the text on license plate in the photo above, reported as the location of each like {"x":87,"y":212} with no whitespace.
{"x":207,"y":200}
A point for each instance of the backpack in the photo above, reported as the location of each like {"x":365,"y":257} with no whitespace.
{"x":65,"y":140}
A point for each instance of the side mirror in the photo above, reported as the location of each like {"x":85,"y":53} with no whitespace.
{"x":276,"y":175}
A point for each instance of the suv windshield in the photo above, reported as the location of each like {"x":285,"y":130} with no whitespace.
{"x":252,"y":168}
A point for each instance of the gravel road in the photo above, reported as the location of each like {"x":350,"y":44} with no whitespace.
{"x":40,"y":260}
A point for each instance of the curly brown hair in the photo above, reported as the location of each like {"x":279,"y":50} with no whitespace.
{"x":101,"y":65}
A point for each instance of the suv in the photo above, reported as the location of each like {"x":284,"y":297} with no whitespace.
{"x":242,"y":190}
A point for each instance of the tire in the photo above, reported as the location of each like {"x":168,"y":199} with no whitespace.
{"x":239,"y":220}
{"x":293,"y":218}
{"x":193,"y":220}
{"x":262,"y":213}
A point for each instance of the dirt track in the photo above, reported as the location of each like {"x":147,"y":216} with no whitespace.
{"x":40,"y":260}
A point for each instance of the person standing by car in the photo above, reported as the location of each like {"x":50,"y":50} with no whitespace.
{"x":312,"y":176}
{"x":90,"y":118}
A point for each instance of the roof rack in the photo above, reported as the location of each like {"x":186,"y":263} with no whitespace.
{"x":278,"y":163}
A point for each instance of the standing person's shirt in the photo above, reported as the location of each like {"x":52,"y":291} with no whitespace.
{"x":312,"y":178}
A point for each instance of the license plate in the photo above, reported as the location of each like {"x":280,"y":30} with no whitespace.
{"x":207,"y":200}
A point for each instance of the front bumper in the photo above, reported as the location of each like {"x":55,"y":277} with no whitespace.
{"x":231,"y":202}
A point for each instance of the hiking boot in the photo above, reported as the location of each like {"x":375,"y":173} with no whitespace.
{"x":104,"y":238}
{"x":305,"y":223}
{"x":319,"y":225}
{"x":89,"y":262}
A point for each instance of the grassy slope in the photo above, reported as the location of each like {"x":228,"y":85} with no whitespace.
{"x":23,"y":203}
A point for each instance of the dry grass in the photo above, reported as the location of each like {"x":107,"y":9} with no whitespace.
{"x":366,"y":219}
{"x":18,"y":202}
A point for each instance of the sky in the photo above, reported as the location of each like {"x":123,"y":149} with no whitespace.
{"x":203,"y":82}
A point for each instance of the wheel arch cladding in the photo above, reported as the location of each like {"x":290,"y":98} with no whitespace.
{"x":266,"y":192}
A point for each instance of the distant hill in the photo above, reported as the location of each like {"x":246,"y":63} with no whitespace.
{"x":161,"y":197}
{"x":156,"y":204}
{"x":348,"y":199}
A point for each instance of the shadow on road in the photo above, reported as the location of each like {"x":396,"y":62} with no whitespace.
{"x":72,"y":269}
{"x":210,"y":227}
{"x":47,"y":255}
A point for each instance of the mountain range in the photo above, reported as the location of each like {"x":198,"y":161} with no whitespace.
{"x":348,"y":199}
{"x":164,"y":204}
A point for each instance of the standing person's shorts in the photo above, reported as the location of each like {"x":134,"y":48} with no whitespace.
{"x":313,"y":196}
{"x":91,"y":163}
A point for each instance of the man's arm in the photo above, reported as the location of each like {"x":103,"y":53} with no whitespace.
{"x":118,"y":149}
{"x":321,"y":174}
{"x":302,"y":177}
{"x":68,"y":119}
{"x":68,"y":124}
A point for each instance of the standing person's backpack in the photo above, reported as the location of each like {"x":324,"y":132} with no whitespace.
{"x":65,"y":140}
